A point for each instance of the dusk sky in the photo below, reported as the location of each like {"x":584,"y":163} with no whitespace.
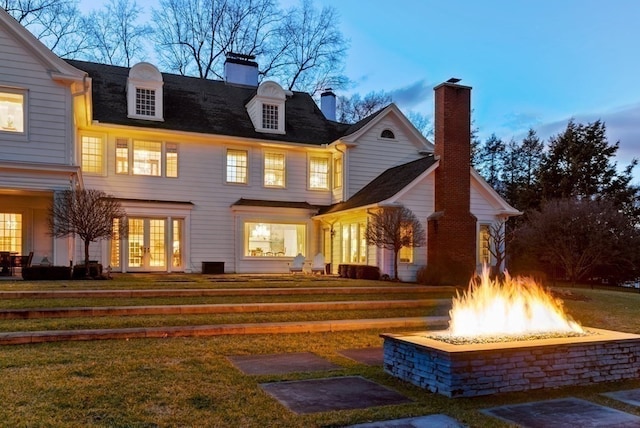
{"x":532,"y":64}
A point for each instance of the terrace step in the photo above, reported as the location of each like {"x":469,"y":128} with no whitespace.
{"x":212,"y":292}
{"x":73,"y":312}
{"x":26,"y":337}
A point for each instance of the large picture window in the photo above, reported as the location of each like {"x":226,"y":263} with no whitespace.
{"x":12,"y":111}
{"x":274,"y":239}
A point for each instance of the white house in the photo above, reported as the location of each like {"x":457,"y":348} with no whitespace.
{"x":241,"y":174}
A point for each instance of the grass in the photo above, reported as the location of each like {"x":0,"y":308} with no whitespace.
{"x":190,"y":381}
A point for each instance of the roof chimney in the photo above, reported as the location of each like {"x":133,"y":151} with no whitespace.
{"x":328,"y":104}
{"x":452,"y":227}
{"x":240,"y":69}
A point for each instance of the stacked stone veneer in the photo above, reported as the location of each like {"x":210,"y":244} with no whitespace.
{"x":474,"y":372}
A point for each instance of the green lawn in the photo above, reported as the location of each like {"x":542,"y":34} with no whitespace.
{"x":190,"y":382}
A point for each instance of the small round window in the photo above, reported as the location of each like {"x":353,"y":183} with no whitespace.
{"x":387,"y":133}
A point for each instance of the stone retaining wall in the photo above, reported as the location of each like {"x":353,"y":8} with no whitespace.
{"x":490,"y":371}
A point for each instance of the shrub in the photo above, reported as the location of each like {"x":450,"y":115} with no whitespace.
{"x":46,"y":273}
{"x":368,"y":272}
{"x":80,"y":271}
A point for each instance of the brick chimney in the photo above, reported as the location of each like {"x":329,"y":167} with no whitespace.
{"x":452,"y":228}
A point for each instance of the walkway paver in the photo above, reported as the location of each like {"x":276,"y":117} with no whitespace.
{"x":563,"y":412}
{"x":335,"y":393}
{"x":430,"y":421}
{"x":272,"y":364}
{"x":631,"y":396}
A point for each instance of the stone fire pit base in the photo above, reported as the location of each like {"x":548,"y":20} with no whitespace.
{"x":484,"y":369}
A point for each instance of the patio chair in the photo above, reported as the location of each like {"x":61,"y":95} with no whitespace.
{"x":5,"y":263}
{"x":23,"y":261}
{"x":297,"y":264}
{"x":318,"y":265}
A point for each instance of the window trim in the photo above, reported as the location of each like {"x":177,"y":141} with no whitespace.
{"x":103,"y":148}
{"x":226,"y":167}
{"x":337,"y":181}
{"x":310,"y":158}
{"x":145,"y":76}
{"x":390,"y":131}
{"x":25,"y":110}
{"x":480,"y":243}
{"x":284,"y":169}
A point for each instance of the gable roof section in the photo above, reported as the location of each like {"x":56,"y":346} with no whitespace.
{"x":206,"y":106}
{"x":361,"y":127}
{"x":505,"y":208}
{"x":385,"y":186}
{"x":58,"y":68}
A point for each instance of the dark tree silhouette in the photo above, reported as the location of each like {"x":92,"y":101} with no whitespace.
{"x":393,"y":228}
{"x":88,"y":213}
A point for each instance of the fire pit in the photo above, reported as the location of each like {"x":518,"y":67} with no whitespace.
{"x":584,"y":356}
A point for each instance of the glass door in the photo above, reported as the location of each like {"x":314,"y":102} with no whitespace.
{"x":147,"y":244}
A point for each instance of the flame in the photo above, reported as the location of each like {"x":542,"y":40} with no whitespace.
{"x":514,"y":306}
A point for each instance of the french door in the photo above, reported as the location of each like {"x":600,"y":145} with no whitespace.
{"x":147,"y":244}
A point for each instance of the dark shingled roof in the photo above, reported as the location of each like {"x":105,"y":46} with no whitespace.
{"x":274,"y":204}
{"x":385,"y":185}
{"x":206,"y":106}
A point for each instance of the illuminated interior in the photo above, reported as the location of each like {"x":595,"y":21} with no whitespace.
{"x":274,"y":239}
{"x":11,"y":232}
{"x":11,"y":112}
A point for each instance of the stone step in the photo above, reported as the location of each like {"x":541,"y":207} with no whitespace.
{"x":202,"y":292}
{"x":73,"y":312}
{"x":26,"y":337}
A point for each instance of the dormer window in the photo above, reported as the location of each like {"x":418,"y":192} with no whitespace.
{"x":144,"y":92}
{"x":269,"y":116}
{"x":387,"y":133}
{"x":266,"y":108}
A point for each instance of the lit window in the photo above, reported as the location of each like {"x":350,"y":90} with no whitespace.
{"x":387,"y":133}
{"x":11,"y":232}
{"x":237,"y":165}
{"x":172,"y":160}
{"x":145,"y":102}
{"x":337,"y":172}
{"x":274,"y":239}
{"x":147,"y":158}
{"x":12,"y":112}
{"x":92,"y":155}
{"x":274,"y":169}
{"x":405,"y":255}
{"x":484,"y":242}
{"x":269,"y":116}
{"x":115,"y":244}
{"x":176,"y":260}
{"x":122,"y":156}
{"x":319,"y":173}
{"x":354,"y":243}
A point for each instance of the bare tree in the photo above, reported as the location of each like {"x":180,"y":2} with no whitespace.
{"x":394,"y":228}
{"x":302,"y":47}
{"x":355,"y":108}
{"x":56,"y":23}
{"x":88,"y":213}
{"x":115,"y":35}
{"x":497,"y":244}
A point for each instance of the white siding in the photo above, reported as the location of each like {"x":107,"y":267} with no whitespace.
{"x":49,"y":114}
{"x":373,"y":154}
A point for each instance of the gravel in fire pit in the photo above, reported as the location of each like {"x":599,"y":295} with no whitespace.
{"x":469,"y":340}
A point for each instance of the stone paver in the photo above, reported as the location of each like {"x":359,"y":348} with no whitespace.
{"x":328,"y":394}
{"x":269,"y":364}
{"x":430,"y":421}
{"x":631,"y":396}
{"x":368,"y":356}
{"x":563,"y":412}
